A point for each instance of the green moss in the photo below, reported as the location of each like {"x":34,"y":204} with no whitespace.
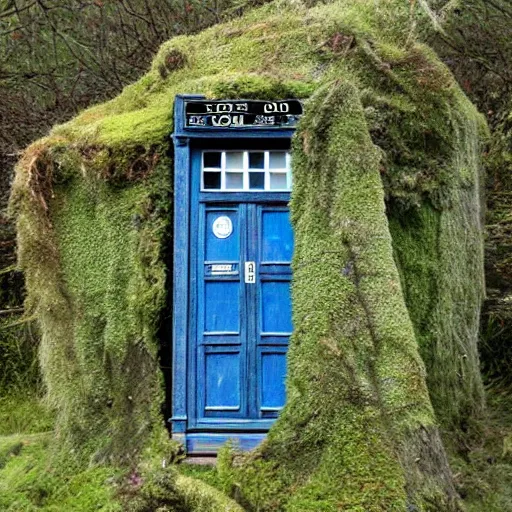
{"x":437,"y":259}
{"x":358,"y":414}
{"x":158,"y":484}
{"x":30,"y":482}
{"x":206,"y":473}
{"x":24,"y":412}
{"x":98,"y":298}
{"x":110,"y":240}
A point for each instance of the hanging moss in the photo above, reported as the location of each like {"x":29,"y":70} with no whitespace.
{"x":97,"y":285}
{"x":385,"y":126}
{"x":357,"y":431}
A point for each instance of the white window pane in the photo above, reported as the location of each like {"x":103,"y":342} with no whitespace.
{"x":234,"y":180}
{"x":278,"y":181}
{"x":235,"y":160}
{"x":277,"y":160}
{"x":237,"y":171}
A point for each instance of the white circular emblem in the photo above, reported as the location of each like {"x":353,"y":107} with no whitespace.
{"x":222,"y":227}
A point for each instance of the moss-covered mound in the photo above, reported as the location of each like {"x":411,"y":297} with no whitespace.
{"x":388,"y":264}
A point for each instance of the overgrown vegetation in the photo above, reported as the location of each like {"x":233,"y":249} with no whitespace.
{"x":473,"y":38}
{"x":386,"y":130}
{"x":58,"y":57}
{"x":30,"y":482}
{"x":23,"y":412}
{"x":343,"y":354}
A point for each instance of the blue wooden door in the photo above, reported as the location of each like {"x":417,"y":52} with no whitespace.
{"x":243,"y":319}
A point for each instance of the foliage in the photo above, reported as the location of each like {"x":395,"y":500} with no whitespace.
{"x":18,"y":335}
{"x":474,"y":41}
{"x":497,"y":318}
{"x":59,"y":56}
{"x":29,"y":481}
{"x":99,"y":350}
{"x":484,"y":472}
{"x":18,"y":354}
{"x":352,"y":361}
{"x":23,"y":412}
{"x":431,"y":251}
{"x":56,"y":58}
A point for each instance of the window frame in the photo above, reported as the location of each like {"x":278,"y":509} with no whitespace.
{"x":245,"y":170}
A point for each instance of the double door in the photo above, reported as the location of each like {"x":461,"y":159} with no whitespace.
{"x":241,"y":278}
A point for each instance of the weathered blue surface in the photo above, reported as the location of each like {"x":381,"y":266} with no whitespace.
{"x":230,"y":336}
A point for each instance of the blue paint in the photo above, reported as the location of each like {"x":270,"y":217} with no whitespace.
{"x":222,"y":306}
{"x":230,"y":337}
{"x":210,"y":444}
{"x":276,"y":307}
{"x":222,"y":382}
{"x":277,"y":237}
{"x":222,"y":250}
{"x":273,"y":375}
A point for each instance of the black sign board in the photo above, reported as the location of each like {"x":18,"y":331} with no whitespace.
{"x":238,"y":114}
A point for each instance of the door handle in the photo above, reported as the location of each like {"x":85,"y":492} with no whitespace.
{"x":250,"y":272}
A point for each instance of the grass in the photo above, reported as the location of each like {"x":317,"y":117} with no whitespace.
{"x":24,"y":413}
{"x":35,"y":476}
{"x":30,"y":479}
{"x":483,"y":474}
{"x":207,"y":474}
{"x":30,"y":482}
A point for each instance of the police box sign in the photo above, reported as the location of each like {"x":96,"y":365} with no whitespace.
{"x":242,"y":114}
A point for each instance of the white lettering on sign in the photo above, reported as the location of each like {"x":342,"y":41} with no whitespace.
{"x":221,"y":108}
{"x":270,"y":108}
{"x":224,"y":120}
{"x":226,"y":108}
{"x":265,"y":120}
{"x":227,"y":115}
{"x":222,"y":227}
{"x":197,"y":121}
{"x":250,"y":272}
{"x":228,"y":120}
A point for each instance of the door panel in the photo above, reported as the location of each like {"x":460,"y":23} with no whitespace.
{"x":276,"y":307}
{"x":274,"y":324}
{"x":222,"y":306}
{"x":243,"y":327}
{"x":277,"y":237}
{"x":220,"y":350}
{"x":222,"y":249}
{"x":273,"y":375}
{"x":222,"y":381}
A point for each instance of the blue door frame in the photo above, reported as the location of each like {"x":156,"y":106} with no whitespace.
{"x":203,"y":428}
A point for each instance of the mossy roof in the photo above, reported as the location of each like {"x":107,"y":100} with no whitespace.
{"x":283,"y":49}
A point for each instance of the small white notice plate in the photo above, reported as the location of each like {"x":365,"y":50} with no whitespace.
{"x":221,"y":269}
{"x":250,"y":272}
